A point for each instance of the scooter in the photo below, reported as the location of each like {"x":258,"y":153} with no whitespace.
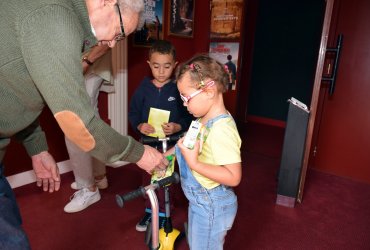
{"x":150,"y":191}
{"x":167,"y":235}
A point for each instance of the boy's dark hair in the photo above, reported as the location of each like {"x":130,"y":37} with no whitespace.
{"x":163,"y":47}
{"x":229,"y":57}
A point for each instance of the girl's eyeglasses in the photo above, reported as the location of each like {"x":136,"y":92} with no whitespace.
{"x":186,"y":99}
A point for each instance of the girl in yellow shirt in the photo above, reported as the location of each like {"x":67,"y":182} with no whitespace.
{"x":213,"y":166}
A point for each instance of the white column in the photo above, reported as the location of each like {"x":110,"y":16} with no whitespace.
{"x":117,"y":101}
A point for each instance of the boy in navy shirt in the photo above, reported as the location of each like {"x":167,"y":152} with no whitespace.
{"x":158,"y":92}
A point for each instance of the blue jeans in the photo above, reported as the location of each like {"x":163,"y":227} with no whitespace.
{"x":211,"y":211}
{"x":12,"y":235}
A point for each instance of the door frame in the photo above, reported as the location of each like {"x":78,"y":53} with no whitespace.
{"x":315,"y":94}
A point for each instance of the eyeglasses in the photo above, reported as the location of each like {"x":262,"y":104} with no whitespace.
{"x":122,"y":35}
{"x":186,"y":99}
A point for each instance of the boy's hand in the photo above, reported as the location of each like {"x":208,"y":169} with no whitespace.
{"x":145,"y":128}
{"x":171,"y":128}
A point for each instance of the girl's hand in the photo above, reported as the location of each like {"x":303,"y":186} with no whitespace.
{"x":190,"y":155}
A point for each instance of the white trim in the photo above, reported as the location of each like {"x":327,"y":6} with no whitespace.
{"x":28,"y":177}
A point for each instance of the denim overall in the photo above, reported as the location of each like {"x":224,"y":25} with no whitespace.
{"x":211,"y":211}
{"x":11,"y":234}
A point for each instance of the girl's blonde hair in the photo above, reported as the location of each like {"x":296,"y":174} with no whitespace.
{"x":202,"y":67}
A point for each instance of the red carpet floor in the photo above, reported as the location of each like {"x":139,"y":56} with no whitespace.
{"x":334,"y":213}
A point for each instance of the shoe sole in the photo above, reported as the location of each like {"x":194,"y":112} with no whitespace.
{"x":140,"y":228}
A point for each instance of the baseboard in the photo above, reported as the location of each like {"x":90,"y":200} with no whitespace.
{"x":266,"y":121}
{"x":28,"y":177}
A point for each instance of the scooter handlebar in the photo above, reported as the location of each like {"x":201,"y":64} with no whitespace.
{"x":172,"y":138}
{"x":174,"y":178}
{"x":120,"y":199}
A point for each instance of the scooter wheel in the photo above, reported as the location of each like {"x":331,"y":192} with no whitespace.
{"x":148,"y":234}
{"x":186,"y":232}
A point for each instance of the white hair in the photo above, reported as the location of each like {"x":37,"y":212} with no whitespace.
{"x":135,"y":6}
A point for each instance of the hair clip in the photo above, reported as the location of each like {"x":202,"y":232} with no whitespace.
{"x":198,"y":70}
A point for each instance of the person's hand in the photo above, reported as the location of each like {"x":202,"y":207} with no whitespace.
{"x":47,"y":172}
{"x":171,"y":128}
{"x":152,"y":160}
{"x":190,"y":155}
{"x":145,"y":128}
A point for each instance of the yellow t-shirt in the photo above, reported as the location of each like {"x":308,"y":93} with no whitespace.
{"x":221,"y":147}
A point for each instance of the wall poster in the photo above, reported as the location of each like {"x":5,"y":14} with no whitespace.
{"x":226,"y":53}
{"x":226,"y":18}
{"x":181,"y":18}
{"x":152,"y":29}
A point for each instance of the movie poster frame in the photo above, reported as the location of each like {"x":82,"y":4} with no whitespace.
{"x":140,"y":38}
{"x":220,"y":50}
{"x":226,"y":19}
{"x":173,"y":15}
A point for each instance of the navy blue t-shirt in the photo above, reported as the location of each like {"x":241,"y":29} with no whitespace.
{"x":147,"y":96}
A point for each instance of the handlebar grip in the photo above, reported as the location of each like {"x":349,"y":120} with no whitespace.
{"x":176,"y":137}
{"x":120,"y":199}
{"x":148,"y":140}
{"x":174,"y":178}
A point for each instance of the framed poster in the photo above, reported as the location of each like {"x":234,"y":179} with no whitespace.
{"x":226,"y":18}
{"x":228,"y":54}
{"x":152,"y":29}
{"x":181,"y":18}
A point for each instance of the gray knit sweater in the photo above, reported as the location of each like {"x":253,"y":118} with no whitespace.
{"x":41,"y":43}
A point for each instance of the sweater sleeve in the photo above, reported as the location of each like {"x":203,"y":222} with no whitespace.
{"x":51,"y":41}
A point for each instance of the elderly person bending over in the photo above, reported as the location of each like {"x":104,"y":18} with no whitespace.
{"x":41,"y":46}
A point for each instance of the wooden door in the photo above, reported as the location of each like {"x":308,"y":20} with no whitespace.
{"x":341,"y":144}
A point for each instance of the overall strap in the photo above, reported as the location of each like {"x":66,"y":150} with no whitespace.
{"x":205,"y":131}
{"x":213,"y":120}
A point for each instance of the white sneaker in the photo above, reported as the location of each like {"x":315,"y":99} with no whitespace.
{"x":81,"y":200}
{"x":101,"y":184}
